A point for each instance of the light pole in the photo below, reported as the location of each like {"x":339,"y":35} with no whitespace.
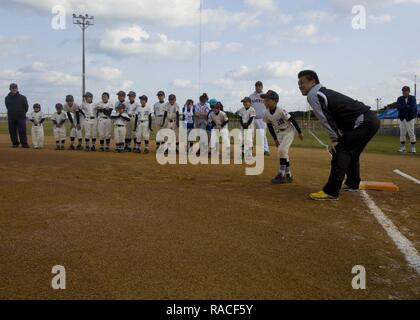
{"x":415,"y":86}
{"x":378,"y":102}
{"x":84,"y":22}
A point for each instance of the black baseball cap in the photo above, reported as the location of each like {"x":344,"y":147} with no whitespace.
{"x":59,"y":106}
{"x":121,"y":94}
{"x":271,"y":95}
{"x":131,"y":94}
{"x":69,"y":98}
{"x":406,"y":88}
{"x":161,"y":94}
{"x":88,"y":94}
{"x":258,"y":84}
{"x":144,"y":97}
{"x":246,"y":99}
{"x":172,"y":97}
{"x":37,"y":106}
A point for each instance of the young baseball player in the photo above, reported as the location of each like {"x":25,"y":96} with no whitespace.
{"x":37,"y":118}
{"x":247,"y":116}
{"x":143,"y":125}
{"x":120,"y":119}
{"x":132,"y":107}
{"x":171,"y":116}
{"x":76,"y":120}
{"x":219,"y":120}
{"x":104,"y":122}
{"x":188,"y":119}
{"x":59,"y":130}
{"x":282,"y":128}
{"x":90,"y":113}
{"x":159,"y":111}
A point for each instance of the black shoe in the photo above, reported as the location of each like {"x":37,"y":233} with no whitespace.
{"x":146,"y":151}
{"x":137,"y":150}
{"x":62,"y":148}
{"x":107,"y":149}
{"x":57,"y":148}
{"x":93,"y":149}
{"x":87,"y":148}
{"x":25,"y":146}
{"x":15,"y":146}
{"x":72,"y":148}
{"x":279,"y":179}
{"x":289,"y":179}
{"x":79,"y":147}
{"x":102,"y":149}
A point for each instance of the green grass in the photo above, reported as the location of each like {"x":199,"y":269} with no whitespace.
{"x":379,"y":144}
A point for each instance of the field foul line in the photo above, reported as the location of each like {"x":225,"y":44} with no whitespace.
{"x":318,"y":139}
{"x":402,"y":174}
{"x":403,"y":244}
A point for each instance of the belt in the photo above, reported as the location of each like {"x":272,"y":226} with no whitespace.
{"x":120,"y":125}
{"x":159,"y":116}
{"x":171,"y":121}
{"x":131,"y":115}
{"x":106,"y":118}
{"x":92,"y":118}
{"x":143,"y":121}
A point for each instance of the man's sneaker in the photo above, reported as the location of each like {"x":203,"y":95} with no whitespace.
{"x":413,"y":150}
{"x":348,"y":189}
{"x":93,"y":148}
{"x":322,"y":196}
{"x":279,"y":179}
{"x":57,"y":148}
{"x":137,"y":150}
{"x":267,"y":153}
{"x":402,"y":150}
{"x":289,"y":178}
{"x":25,"y":146}
{"x":146,"y":151}
{"x":102,"y":149}
{"x":79,"y":147}
{"x":72,"y":148}
{"x":107,"y":149}
{"x":62,"y":148}
{"x":87,"y":148}
{"x":15,"y":146}
{"x":127,"y":149}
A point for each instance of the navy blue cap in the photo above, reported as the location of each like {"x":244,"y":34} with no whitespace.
{"x":69,"y":98}
{"x":121,"y":93}
{"x":271,"y":95}
{"x":160,"y":93}
{"x":37,"y":105}
{"x":59,"y":105}
{"x":88,"y":94}
{"x":132,"y":94}
{"x":144,"y":97}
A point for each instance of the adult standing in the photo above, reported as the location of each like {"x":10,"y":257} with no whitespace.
{"x":258,"y":105}
{"x":17,"y":107}
{"x":350,"y":125}
{"x":407,"y":110}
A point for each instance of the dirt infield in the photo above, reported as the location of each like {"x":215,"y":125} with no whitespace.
{"x":125,"y":227}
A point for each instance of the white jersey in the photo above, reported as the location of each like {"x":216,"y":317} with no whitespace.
{"x":36,"y":117}
{"x":90,"y":110}
{"x":279,"y":120}
{"x":218,"y":119}
{"x":159,"y":109}
{"x":171,"y":109}
{"x":144,"y":113}
{"x":104,"y":106}
{"x":258,"y":104}
{"x":188,"y":117}
{"x":246,"y":114}
{"x":132,"y":107}
{"x":59,"y":118}
{"x":120,"y":120}
{"x":124,"y":103}
{"x":73,"y":109}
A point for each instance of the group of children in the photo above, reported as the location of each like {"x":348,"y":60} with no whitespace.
{"x":133,"y":121}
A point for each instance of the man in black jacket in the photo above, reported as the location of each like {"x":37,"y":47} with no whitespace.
{"x":17,"y":107}
{"x":407,"y":110}
{"x":349,"y":123}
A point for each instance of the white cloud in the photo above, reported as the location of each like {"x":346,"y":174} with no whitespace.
{"x":270,"y":9}
{"x":184,"y":84}
{"x":270,"y":70}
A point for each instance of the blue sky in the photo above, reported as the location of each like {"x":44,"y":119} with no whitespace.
{"x":146,"y":46}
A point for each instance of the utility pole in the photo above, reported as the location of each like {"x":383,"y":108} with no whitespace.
{"x":84,"y":22}
{"x":378,"y":102}
{"x":415,"y":86}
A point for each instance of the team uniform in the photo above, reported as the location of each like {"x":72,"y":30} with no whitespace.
{"x":104,"y":111}
{"x":90,"y":114}
{"x":75,"y":119}
{"x":131,"y":109}
{"x":143,"y":123}
{"x":247,"y":117}
{"x":220,"y":122}
{"x":188,"y":120}
{"x":37,"y":131}
{"x":260,"y":109}
{"x":120,"y":121}
{"x":59,"y":129}
{"x":201,"y":121}
{"x":407,"y":113}
{"x":171,"y":119}
{"x":159,"y":111}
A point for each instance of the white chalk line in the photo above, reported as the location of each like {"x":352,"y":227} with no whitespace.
{"x":404,"y":175}
{"x":318,"y":139}
{"x":403,"y":244}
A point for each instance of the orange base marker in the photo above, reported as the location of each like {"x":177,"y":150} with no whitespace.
{"x":379,"y":186}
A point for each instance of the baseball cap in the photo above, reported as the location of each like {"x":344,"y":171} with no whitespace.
{"x":59,"y":106}
{"x":37,"y":106}
{"x":144,"y":97}
{"x":13,"y":86}
{"x":88,"y":94}
{"x":246,"y":99}
{"x":271,"y":95}
{"x":172,"y":97}
{"x":160,"y":93}
{"x":132,"y":94}
{"x":406,"y":88}
{"x":258,"y":84}
{"x":119,"y":105}
{"x":121,"y":93}
{"x":69,"y":98}
{"x":213,"y":102}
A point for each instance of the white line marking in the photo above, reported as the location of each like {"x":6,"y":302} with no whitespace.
{"x":318,"y":139}
{"x":402,"y":174}
{"x":403,"y":244}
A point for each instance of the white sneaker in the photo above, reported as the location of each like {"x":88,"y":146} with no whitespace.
{"x":402,"y":150}
{"x":413,"y":150}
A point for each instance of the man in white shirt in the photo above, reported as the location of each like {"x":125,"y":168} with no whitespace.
{"x":258,"y":105}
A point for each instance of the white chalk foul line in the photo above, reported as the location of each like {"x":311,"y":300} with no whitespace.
{"x":402,"y":174}
{"x":318,"y":139}
{"x":403,"y":244}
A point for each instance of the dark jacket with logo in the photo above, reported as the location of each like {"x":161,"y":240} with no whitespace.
{"x":17,"y":106}
{"x":407,"y":110}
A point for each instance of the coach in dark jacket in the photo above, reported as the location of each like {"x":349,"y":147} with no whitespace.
{"x":17,"y":107}
{"x":407,"y":112}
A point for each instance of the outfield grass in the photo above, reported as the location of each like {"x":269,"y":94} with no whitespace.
{"x":380,"y":144}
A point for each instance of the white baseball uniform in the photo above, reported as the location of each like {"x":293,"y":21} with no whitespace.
{"x":71,"y":115}
{"x":285,"y":131}
{"x":159,"y":111}
{"x":131,"y":109}
{"x":120,"y":126}
{"x":247,"y":137}
{"x":104,"y":121}
{"x":91,"y":120}
{"x":219,"y":119}
{"x":59,"y":129}
{"x":171,"y":119}
{"x":143,"y":118}
{"x":37,"y":131}
{"x":260,"y":109}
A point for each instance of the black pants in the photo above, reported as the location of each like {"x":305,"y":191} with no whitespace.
{"x":346,"y":160}
{"x":18,"y":126}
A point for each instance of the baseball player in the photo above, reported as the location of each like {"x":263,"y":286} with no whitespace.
{"x":159,"y":111}
{"x":143,"y":125}
{"x":171,"y":116}
{"x":76,"y":120}
{"x":37,"y":118}
{"x":120,"y":119}
{"x":104,"y":122}
{"x":219,"y":120}
{"x":188,"y":119}
{"x":258,"y":105}
{"x":202,"y":110}
{"x":407,"y":113}
{"x":90,"y":113}
{"x":132,"y":107}
{"x":282,"y":128}
{"x":247,"y":116}
{"x":59,"y":130}
{"x":350,"y":125}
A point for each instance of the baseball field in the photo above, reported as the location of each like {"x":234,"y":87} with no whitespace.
{"x":125,"y":227}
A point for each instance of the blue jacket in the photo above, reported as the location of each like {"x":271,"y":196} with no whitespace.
{"x":407,"y":111}
{"x":17,"y":106}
